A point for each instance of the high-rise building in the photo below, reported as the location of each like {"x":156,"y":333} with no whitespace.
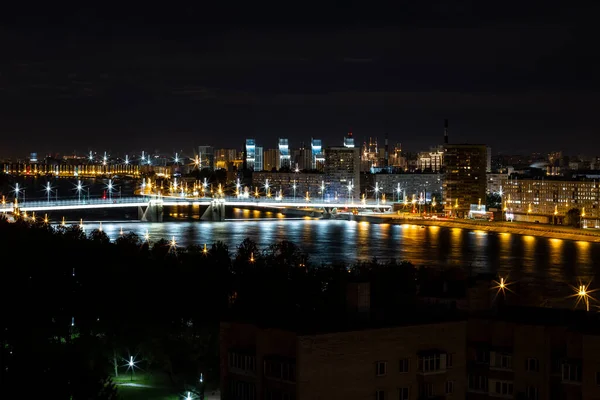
{"x":206,"y":157}
{"x":465,"y":182}
{"x":271,"y":160}
{"x":285,"y":160}
{"x":225,"y":157}
{"x":488,"y":165}
{"x":349,"y":141}
{"x":318,"y":158}
{"x":302,"y":159}
{"x":258,"y":159}
{"x":431,"y":160}
{"x":342,"y":168}
{"x":250,"y":153}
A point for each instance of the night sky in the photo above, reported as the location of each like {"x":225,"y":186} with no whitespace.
{"x":519,"y":76}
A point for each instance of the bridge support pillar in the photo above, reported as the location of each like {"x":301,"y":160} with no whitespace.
{"x":214,"y":212}
{"x":152,"y":213}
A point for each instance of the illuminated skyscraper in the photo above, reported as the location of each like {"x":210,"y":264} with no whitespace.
{"x":318,"y":158}
{"x":465,"y":182}
{"x":284,"y":154}
{"x":250,"y":153}
{"x":349,"y":141}
{"x":258,"y":159}
{"x":342,"y":168}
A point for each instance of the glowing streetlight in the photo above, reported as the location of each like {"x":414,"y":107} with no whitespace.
{"x":176,"y":159}
{"x":110,"y":188}
{"x":583,"y":293}
{"x":323,"y":190}
{"x":17,"y":191}
{"x":377,"y":192}
{"x":237,"y":188}
{"x":502,"y":285}
{"x":252,"y":257}
{"x":307,"y":198}
{"x":100,"y":227}
{"x":131,"y":366}
{"x":63,"y":222}
{"x":350,"y":187}
{"x":189,"y":396}
{"x":205,"y":249}
{"x":45,"y":218}
{"x":294,"y":187}
{"x":173,"y":243}
{"x":146,"y":236}
{"x":398,"y":192}
{"x":48,"y":190}
{"x":121,"y":232}
{"x":79,"y":188}
{"x":81,"y":223}
{"x":126,"y":159}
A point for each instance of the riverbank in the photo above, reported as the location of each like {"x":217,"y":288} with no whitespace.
{"x":519,"y":228}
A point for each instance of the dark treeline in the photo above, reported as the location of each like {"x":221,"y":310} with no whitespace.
{"x":75,"y":307}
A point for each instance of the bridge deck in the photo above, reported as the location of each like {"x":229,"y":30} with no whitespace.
{"x":34,"y":206}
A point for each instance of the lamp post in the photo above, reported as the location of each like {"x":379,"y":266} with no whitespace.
{"x":79,"y":188}
{"x":294,"y":187}
{"x":323,"y":191}
{"x":110,"y":188}
{"x":48,"y":190}
{"x":398,"y":192}
{"x":350,"y":192}
{"x":17,"y":190}
{"x":237,"y":188}
{"x":581,"y":220}
{"x":377,"y":192}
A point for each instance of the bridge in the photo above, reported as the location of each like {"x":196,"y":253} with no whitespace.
{"x":150,"y":207}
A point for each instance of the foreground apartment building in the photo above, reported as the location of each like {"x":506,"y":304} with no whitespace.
{"x":503,"y":352}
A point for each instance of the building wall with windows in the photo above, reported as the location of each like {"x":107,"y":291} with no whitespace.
{"x":465,"y":181}
{"x":394,"y":363}
{"x":342,"y":167}
{"x":549,"y":200}
{"x":410,"y":184}
{"x":431,"y":160}
{"x":285,"y":182}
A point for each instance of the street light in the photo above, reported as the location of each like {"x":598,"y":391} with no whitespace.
{"x":350,"y":191}
{"x":48,"y":190}
{"x":323,"y":190}
{"x":79,"y":188}
{"x":17,"y":190}
{"x":398,"y":192}
{"x":583,"y":294}
{"x":110,"y":188}
{"x":294,"y":187}
{"x":377,"y":192}
{"x":237,"y":188}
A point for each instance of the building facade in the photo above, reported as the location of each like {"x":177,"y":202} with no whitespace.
{"x":342,"y":169}
{"x":465,"y":177}
{"x":250,"y":153}
{"x":405,"y":362}
{"x":432,"y":160}
{"x":286,"y":181}
{"x":285,"y":158}
{"x":549,"y":200}
{"x":271,"y":160}
{"x":397,"y":187}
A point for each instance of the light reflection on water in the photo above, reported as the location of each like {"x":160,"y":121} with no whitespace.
{"x":334,"y":241}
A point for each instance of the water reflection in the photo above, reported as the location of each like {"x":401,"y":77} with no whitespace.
{"x":329,"y":241}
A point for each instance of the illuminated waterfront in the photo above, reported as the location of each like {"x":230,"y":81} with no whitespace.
{"x":334,"y":241}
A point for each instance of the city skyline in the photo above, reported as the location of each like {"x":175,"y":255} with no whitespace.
{"x":518,"y":83}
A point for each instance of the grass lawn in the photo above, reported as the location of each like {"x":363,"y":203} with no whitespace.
{"x":146,"y":393}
